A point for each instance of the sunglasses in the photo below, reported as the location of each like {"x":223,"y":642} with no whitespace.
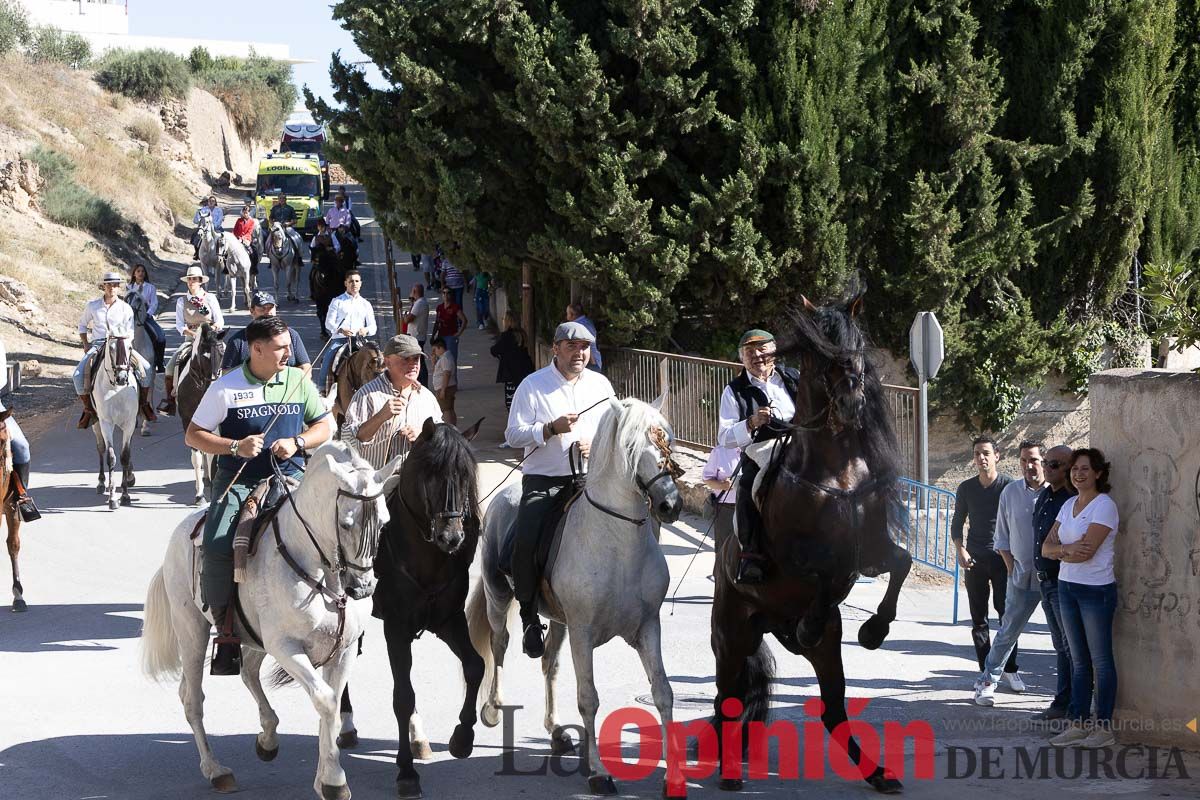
{"x":1055,"y":464}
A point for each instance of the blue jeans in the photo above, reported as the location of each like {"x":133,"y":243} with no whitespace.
{"x":1087,"y":615}
{"x":1050,"y":605}
{"x":481,"y":308}
{"x":457,"y":294}
{"x":1019,"y":606}
{"x":155,"y":330}
{"x":327,"y":360}
{"x":17,"y":440}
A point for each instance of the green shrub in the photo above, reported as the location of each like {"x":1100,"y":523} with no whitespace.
{"x":145,"y":129}
{"x":257,"y":91}
{"x":48,"y":44}
{"x":14,"y":26}
{"x":144,"y":74}
{"x":66,"y":202}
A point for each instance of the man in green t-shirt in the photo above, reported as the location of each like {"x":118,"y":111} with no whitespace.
{"x":232,"y":423}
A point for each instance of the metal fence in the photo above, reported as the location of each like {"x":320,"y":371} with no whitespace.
{"x":927,"y":536}
{"x":694,"y":398}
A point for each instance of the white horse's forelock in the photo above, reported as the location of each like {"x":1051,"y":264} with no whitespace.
{"x":621,"y":436}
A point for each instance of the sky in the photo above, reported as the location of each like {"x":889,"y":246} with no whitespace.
{"x":306,"y":26}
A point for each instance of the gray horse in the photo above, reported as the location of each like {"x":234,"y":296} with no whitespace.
{"x":607,"y":525}
{"x":115,"y":398}
{"x":285,"y":257}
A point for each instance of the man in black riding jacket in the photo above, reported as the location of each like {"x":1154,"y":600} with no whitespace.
{"x":755,"y":406}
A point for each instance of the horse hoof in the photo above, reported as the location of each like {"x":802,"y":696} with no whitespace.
{"x":263,"y":753}
{"x":145,"y":431}
{"x":805,"y":638}
{"x":347,"y":739}
{"x":421,"y":751}
{"x":112,"y":505}
{"x":462,"y":741}
{"x":602,"y":785}
{"x":19,"y":605}
{"x":225,"y":784}
{"x":199,"y":499}
{"x":408,"y":789}
{"x":873,"y":632}
{"x":489,"y":715}
{"x":881,"y":780}
{"x":561,"y":744}
{"x":100,"y":487}
{"x":335,"y":792}
{"x":125,"y":500}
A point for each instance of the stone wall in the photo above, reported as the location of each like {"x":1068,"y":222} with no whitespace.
{"x":1145,"y":421}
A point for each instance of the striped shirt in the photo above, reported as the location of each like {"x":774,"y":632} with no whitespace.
{"x":385,"y":444}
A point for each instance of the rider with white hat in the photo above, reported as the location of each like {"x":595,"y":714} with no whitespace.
{"x":103,"y":317}
{"x":192,"y":310}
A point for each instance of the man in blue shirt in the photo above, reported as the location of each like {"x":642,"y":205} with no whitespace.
{"x":232,"y":423}
{"x":1045,"y":512}
{"x":262,"y":304}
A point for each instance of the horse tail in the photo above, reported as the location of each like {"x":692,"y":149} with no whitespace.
{"x":759,"y":670}
{"x":279,"y":678}
{"x":160,"y":647}
{"x":480,"y":628}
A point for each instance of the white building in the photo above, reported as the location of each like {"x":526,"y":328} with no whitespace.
{"x":105,"y":24}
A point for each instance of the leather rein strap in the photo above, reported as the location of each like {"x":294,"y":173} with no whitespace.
{"x":338,"y":600}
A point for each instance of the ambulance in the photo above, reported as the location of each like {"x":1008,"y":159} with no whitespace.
{"x":298,"y":175}
{"x":307,"y":137}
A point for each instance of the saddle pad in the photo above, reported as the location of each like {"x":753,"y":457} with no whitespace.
{"x":549,"y":539}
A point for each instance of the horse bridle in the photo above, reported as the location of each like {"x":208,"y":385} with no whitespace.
{"x":824,"y":418}
{"x":451,"y":509}
{"x":667,"y":469}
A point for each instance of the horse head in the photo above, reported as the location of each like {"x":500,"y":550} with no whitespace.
{"x":360,"y":509}
{"x":438,"y":483}
{"x":138,"y":304}
{"x":117,"y":360}
{"x":278,"y":237}
{"x":634,"y":440}
{"x":208,"y":351}
{"x":832,"y":353}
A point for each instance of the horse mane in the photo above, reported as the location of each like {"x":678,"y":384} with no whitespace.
{"x":446,"y":453}
{"x":830,"y":333}
{"x":626,"y":429}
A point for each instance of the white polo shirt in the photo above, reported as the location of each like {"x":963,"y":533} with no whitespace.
{"x":102,"y":320}
{"x":543,"y":397}
{"x":352,"y":312}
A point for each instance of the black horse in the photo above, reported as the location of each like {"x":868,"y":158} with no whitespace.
{"x":326,"y":279}
{"x":425,"y":552}
{"x":828,"y":499}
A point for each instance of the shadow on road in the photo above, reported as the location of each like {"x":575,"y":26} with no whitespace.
{"x":69,"y":627}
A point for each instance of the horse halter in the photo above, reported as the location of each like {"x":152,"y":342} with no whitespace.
{"x":667,"y":466}
{"x":452,"y":509}
{"x":826,"y":416}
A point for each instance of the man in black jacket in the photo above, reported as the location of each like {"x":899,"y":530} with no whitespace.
{"x":756,"y":406}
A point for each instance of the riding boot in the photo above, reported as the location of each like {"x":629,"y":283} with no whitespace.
{"x":160,"y":350}
{"x":227,"y":647}
{"x":22,"y":471}
{"x":89,"y":413}
{"x":531,"y":640}
{"x":749,"y":528}
{"x":144,"y":400}
{"x":167,"y":406}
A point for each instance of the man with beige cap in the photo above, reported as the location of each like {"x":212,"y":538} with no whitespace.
{"x":386,"y":415}
{"x":103,"y":317}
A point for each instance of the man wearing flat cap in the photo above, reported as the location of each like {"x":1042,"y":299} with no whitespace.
{"x":103,"y":317}
{"x":386,"y":415}
{"x":546,"y":419}
{"x":756,"y":406}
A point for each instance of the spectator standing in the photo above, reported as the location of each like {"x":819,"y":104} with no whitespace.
{"x":978,"y":501}
{"x":1045,"y":512}
{"x":416,"y":324}
{"x":1016,"y":542}
{"x":718,"y":477}
{"x":512,"y":348}
{"x":445,"y":385}
{"x":575,"y":314}
{"x":481,"y":283}
{"x":1082,"y":539}
{"x":450,"y":324}
{"x":453,"y":281}
{"x":428,"y":267}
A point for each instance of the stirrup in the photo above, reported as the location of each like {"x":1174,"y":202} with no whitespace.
{"x":532,"y":643}
{"x":749,"y":571}
{"x":226,"y":656}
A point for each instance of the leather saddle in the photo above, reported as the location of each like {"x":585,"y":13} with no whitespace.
{"x":548,"y":541}
{"x":259,"y":508}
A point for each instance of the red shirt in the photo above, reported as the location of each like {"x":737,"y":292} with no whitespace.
{"x":447,"y":318}
{"x":244,"y":229}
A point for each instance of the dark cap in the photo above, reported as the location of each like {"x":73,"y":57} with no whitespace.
{"x":262,"y":299}
{"x":755,"y":336}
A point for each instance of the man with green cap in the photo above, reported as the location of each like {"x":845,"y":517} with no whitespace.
{"x":756,"y":406}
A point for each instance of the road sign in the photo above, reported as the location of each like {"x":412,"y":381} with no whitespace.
{"x":926,"y":348}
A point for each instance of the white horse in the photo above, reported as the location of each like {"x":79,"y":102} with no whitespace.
{"x":304,"y":614}
{"x":285,"y":261}
{"x":212,"y":246}
{"x":609,"y":579}
{"x":143,"y":345}
{"x":235,"y":264}
{"x":115,"y":398}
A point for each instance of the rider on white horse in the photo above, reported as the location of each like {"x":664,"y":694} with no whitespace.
{"x":231,"y":422}
{"x":244,"y":230}
{"x":192,"y":310}
{"x":546,"y":420}
{"x":209,"y":210}
{"x":286,"y":215}
{"x":103,"y":317}
{"x":139,"y":281}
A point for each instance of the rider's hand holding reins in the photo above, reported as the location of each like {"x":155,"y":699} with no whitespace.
{"x":251,"y":446}
{"x":284,"y":449}
{"x":564,"y":424}
{"x":759,"y":418}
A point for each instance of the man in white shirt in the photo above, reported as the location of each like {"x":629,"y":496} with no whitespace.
{"x":208,"y":210}
{"x":103,"y":317}
{"x":350,"y":314}
{"x":756,"y":405}
{"x":552,"y":408}
{"x":417,"y":322}
{"x":386,"y":415}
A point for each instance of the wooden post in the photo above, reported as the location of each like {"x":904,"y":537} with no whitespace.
{"x":391,"y":270}
{"x":527,"y":302}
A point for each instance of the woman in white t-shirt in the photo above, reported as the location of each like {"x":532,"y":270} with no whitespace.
{"x":1082,"y":539}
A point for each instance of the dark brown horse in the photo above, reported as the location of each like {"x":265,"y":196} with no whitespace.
{"x":359,"y":368}
{"x":828,"y":499}
{"x":8,"y":502}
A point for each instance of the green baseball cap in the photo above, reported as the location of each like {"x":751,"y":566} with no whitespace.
{"x":755,"y":336}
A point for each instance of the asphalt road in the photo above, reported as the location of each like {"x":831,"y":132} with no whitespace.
{"x":78,"y":719}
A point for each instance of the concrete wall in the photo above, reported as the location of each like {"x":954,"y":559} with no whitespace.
{"x":1145,"y":421}
{"x":80,"y":17}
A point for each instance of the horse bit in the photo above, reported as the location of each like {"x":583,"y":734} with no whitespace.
{"x":667,"y":469}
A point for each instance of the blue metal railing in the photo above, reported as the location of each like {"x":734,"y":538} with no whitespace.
{"x":927,"y":536}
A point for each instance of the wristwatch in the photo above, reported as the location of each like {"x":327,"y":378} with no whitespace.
{"x":299,"y":440}
{"x":233,"y":446}
{"x":548,"y":431}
